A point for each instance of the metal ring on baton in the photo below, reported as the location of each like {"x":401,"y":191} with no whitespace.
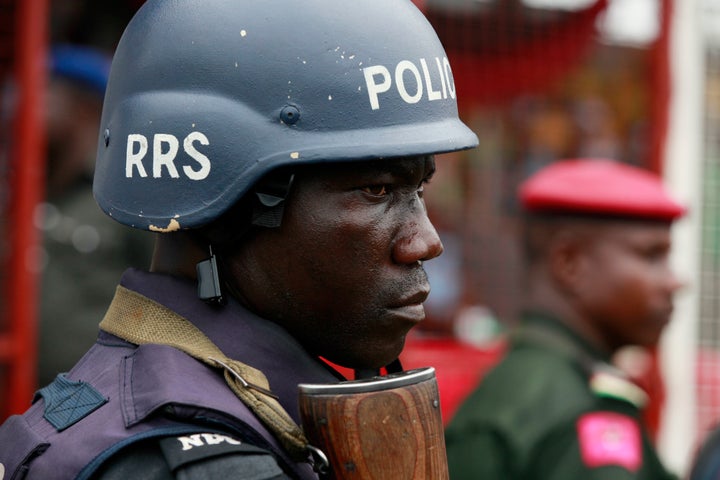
{"x":321,"y":464}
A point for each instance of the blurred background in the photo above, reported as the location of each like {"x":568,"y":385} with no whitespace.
{"x":537,"y":80}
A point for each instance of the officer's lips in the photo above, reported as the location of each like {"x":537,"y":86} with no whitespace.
{"x":411,"y":307}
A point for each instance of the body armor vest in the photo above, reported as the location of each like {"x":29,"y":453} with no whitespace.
{"x":120,"y":393}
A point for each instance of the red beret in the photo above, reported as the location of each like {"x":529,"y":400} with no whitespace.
{"x":601,"y":187}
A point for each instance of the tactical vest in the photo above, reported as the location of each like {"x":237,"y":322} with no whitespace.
{"x":119,"y":394}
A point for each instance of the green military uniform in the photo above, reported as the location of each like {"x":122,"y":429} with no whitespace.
{"x":552,"y":409}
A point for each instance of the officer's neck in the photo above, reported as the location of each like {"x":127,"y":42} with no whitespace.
{"x":544,"y":297}
{"x":177,"y":254}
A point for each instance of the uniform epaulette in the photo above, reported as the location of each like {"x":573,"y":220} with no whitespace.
{"x":607,"y":381}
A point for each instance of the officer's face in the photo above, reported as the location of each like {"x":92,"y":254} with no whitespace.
{"x":625,"y":283}
{"x":343,"y":273}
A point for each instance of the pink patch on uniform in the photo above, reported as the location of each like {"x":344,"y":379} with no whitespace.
{"x":608,"y":438}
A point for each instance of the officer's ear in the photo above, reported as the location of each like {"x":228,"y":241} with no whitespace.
{"x":566,"y":259}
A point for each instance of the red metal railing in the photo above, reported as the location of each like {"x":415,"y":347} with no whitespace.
{"x":26,"y":83}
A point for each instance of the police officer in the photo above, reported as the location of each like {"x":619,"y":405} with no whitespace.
{"x":279,"y":149}
{"x":597,"y":239}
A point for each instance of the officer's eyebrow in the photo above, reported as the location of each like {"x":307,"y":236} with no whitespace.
{"x":406,"y":167}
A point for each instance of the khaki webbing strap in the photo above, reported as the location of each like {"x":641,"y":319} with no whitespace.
{"x":140,"y":320}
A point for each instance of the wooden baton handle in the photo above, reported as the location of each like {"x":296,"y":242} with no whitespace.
{"x":384,"y":428}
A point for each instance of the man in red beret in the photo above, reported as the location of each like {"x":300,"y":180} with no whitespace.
{"x":596,"y":241}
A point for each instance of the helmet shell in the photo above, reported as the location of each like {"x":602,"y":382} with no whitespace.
{"x":207,"y":96}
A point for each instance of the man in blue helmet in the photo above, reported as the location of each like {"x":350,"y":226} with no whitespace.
{"x":279,"y":150}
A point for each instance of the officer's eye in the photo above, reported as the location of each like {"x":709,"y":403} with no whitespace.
{"x":376,"y":190}
{"x":657,"y":253}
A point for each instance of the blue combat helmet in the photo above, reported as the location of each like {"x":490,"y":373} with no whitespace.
{"x":206,"y":97}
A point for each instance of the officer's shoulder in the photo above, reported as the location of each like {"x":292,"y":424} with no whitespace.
{"x":529,"y":389}
{"x":586,"y":382}
{"x":538,"y":373}
{"x":607,"y":382}
{"x":198,"y":456}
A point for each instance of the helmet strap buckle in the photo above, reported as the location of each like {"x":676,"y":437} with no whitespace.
{"x":208,"y":278}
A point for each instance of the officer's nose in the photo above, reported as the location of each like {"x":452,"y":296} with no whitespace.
{"x":417,"y":241}
{"x":673,"y":282}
